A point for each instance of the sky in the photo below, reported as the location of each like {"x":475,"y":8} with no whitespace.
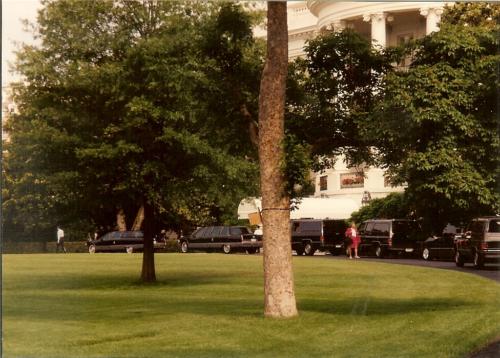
{"x":13,"y":11}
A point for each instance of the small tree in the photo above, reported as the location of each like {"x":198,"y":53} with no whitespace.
{"x":122,"y":111}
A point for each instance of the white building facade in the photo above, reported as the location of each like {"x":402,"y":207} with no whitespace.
{"x":385,"y":24}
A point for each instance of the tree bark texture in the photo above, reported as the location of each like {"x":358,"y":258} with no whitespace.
{"x":148,"y":259}
{"x":278,"y":273}
{"x":120,"y":220}
{"x":139,"y":218}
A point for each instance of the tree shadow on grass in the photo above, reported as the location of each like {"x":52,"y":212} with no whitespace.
{"x":103,"y":281}
{"x":367,"y":306}
{"x":107,"y":309}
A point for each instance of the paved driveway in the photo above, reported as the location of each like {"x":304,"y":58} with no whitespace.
{"x":490,"y":271}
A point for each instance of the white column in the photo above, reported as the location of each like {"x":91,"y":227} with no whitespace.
{"x":338,"y":25}
{"x":378,"y":27}
{"x":432,"y":16}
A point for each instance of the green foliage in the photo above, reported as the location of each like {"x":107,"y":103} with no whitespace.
{"x":296,"y":167}
{"x":331,"y":91}
{"x":437,"y":126}
{"x":127,"y":101}
{"x":393,"y":206}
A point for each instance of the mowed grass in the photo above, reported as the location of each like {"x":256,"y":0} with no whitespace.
{"x":211,"y":305}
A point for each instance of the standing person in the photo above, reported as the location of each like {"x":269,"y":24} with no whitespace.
{"x":352,"y":241}
{"x":60,"y":240}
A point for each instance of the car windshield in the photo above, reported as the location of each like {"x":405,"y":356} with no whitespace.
{"x":494,"y":226}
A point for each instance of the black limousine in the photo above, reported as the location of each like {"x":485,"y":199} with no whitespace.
{"x":225,"y":238}
{"x":121,"y":241}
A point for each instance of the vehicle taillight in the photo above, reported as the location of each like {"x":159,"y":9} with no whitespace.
{"x":389,"y":242}
{"x":322,"y":238}
{"x":484,"y":246}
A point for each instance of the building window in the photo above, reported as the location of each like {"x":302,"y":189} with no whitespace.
{"x":323,"y":182}
{"x":352,"y":180}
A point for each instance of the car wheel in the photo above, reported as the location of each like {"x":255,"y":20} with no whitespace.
{"x":379,"y":252}
{"x":129,"y":250}
{"x":309,"y":249}
{"x":92,"y":249}
{"x":459,"y":260}
{"x":478,"y":261}
{"x":226,"y":248}
{"x":184,"y":247}
{"x":426,"y":254}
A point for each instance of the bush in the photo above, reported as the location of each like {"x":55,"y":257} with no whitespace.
{"x":394,"y":205}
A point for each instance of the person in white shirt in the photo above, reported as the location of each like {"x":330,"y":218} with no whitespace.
{"x":60,"y":240}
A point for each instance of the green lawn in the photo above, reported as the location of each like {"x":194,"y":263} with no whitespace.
{"x":210,"y":305}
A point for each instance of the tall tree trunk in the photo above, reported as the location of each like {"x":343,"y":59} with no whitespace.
{"x":278,"y":274}
{"x":148,"y":257}
{"x":139,"y":218}
{"x":120,"y":220}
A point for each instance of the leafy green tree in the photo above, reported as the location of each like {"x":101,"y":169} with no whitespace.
{"x":131,"y":103}
{"x":331,"y":91}
{"x":436,"y":128}
{"x":394,"y":205}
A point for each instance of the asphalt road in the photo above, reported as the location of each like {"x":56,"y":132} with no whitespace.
{"x":489,"y":271}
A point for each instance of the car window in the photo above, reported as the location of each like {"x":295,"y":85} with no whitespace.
{"x":308,"y":226}
{"x":334,"y":226}
{"x":111,"y":236}
{"x":369,"y":228}
{"x":494,"y":225}
{"x":477,"y":227}
{"x":106,"y":237}
{"x":404,"y":227}
{"x":216,"y":231}
{"x":208,"y":232}
{"x":225,"y":231}
{"x":295,"y":226}
{"x":125,"y":235}
{"x":362,"y":227}
{"x":200,"y":232}
{"x":381,"y":229}
{"x":239,"y":230}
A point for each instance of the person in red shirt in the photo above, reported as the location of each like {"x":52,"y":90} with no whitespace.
{"x":352,"y":241}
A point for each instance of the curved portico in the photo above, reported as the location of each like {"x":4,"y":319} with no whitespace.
{"x":385,"y":23}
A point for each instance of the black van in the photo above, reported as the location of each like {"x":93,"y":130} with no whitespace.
{"x":385,"y":236}
{"x":226,"y":238}
{"x":480,"y":244}
{"x":309,"y":235}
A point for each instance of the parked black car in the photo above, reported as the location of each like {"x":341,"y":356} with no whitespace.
{"x":309,"y":235}
{"x":480,"y":243}
{"x":441,"y":247}
{"x":387,"y":236}
{"x":122,"y":241}
{"x":226,"y":238}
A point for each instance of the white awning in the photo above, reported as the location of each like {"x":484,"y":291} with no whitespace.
{"x":313,"y":208}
